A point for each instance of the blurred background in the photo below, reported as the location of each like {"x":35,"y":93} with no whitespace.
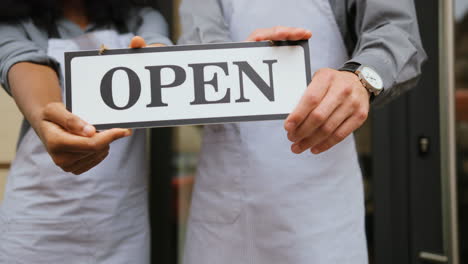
{"x":413,"y":154}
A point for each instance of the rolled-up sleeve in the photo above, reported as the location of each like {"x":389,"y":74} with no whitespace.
{"x":203,"y":22}
{"x":16,"y":47}
{"x":151,"y":25}
{"x":388,"y":40}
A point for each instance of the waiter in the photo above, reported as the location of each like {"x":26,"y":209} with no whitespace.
{"x":255,"y":200}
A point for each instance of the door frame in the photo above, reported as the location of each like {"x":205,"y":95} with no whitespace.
{"x":164,"y":249}
{"x":447,"y":129}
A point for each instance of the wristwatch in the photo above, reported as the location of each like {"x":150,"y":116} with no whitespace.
{"x":368,"y":77}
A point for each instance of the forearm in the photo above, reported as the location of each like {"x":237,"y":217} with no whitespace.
{"x":33,"y":87}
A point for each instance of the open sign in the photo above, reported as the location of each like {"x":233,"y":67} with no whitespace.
{"x":182,"y":85}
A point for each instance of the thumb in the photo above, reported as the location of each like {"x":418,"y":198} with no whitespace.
{"x":104,"y":138}
{"x":137,"y":42}
{"x":58,"y":114}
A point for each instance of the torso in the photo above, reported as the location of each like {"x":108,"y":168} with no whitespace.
{"x":272,"y":206}
{"x":99,"y":216}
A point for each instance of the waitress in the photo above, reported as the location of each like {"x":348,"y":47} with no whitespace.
{"x":264,"y":195}
{"x":73,"y":195}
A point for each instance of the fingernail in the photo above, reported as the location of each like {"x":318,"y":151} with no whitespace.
{"x":128,"y":133}
{"x":292,"y":138}
{"x":88,"y":130}
{"x":290,"y":125}
{"x":296,"y":149}
{"x":315,"y":150}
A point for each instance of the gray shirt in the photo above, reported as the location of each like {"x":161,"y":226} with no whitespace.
{"x":25,"y":42}
{"x":382,"y":34}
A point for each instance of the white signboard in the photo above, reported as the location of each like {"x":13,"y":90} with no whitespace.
{"x":183,"y":85}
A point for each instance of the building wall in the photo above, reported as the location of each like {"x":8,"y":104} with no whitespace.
{"x":11,"y":122}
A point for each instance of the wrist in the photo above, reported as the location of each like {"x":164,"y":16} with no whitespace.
{"x":359,"y":84}
{"x":369,"y":78}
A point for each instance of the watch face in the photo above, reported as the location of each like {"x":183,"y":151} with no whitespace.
{"x":371,"y":76}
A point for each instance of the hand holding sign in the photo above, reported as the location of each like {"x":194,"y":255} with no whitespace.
{"x":334,"y":106}
{"x":73,"y":144}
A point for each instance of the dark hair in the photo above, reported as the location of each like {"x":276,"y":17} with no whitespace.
{"x":45,"y":12}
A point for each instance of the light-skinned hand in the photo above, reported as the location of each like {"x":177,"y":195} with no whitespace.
{"x":334,"y":105}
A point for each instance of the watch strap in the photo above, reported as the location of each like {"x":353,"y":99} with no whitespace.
{"x":350,"y":67}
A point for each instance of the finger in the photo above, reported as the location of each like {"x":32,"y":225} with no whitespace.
{"x":103,"y":139}
{"x":295,"y":34}
{"x":137,"y":42}
{"x":348,"y":127}
{"x":58,"y":114}
{"x":334,"y":98}
{"x":280,"y":33}
{"x":91,"y":166}
{"x":326,"y":130}
{"x":91,"y":163}
{"x":312,"y":97}
{"x":61,"y":141}
{"x":66,"y":160}
{"x":74,"y":162}
{"x":156,"y":45}
{"x":288,"y":33}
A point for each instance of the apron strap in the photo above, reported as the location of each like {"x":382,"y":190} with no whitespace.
{"x":53,"y":31}
{"x":122,"y":28}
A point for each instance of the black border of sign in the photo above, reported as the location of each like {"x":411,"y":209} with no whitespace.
{"x":69,"y":56}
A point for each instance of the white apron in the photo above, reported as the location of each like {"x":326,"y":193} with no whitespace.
{"x":52,"y":217}
{"x":254,"y":201}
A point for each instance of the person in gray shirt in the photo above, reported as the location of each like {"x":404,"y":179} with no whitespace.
{"x":255,"y":201}
{"x":73,"y":195}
